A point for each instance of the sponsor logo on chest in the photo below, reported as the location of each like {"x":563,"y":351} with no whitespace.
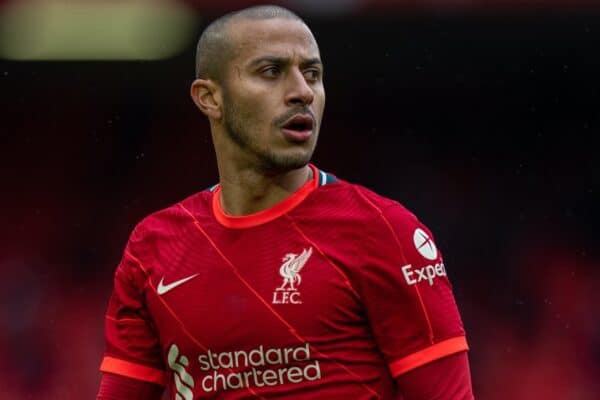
{"x":239,"y":369}
{"x":288,"y":292}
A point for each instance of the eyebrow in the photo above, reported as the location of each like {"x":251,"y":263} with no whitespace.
{"x":284,"y":60}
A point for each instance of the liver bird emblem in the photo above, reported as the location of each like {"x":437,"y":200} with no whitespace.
{"x":290,"y":269}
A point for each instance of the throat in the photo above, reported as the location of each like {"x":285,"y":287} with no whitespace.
{"x":251,"y":193}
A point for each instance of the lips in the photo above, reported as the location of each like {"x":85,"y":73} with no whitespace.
{"x":298,"y":128}
{"x":299,"y":122}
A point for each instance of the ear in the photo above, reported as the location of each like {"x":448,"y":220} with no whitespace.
{"x":207,"y":96}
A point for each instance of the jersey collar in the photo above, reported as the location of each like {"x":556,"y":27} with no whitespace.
{"x":262,"y":217}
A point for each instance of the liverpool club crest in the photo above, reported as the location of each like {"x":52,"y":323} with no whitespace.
{"x":290,"y":272}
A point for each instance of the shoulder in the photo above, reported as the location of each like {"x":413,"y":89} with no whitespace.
{"x":384,"y":222}
{"x":395,"y":241}
{"x":390,"y":208}
{"x":151,"y":242}
{"x":173,"y":218}
{"x":361,"y":201}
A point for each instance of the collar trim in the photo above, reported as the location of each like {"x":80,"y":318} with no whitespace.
{"x":262,"y":217}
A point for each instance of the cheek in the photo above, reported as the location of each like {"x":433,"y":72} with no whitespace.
{"x":254,"y":117}
{"x":258,"y":112}
{"x":320,"y":97}
{"x":320,"y":105}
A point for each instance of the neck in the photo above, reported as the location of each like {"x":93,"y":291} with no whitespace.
{"x":248,"y":190}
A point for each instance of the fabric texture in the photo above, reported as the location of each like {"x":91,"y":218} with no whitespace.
{"x":334,"y":293}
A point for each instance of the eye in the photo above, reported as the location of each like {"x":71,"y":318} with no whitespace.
{"x":271,"y":71}
{"x":312,"y":75}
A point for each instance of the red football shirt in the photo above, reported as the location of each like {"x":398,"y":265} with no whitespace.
{"x":332,"y":293}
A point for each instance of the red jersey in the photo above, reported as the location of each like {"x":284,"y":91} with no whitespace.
{"x":331,"y":293}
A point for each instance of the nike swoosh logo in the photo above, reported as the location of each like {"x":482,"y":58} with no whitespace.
{"x":162,"y":288}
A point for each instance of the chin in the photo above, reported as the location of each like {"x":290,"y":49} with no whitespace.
{"x":287,"y":161}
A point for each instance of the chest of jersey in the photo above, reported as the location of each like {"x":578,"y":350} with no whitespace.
{"x":228,"y":290}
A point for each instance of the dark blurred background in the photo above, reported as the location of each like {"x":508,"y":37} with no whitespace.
{"x":479,"y":116}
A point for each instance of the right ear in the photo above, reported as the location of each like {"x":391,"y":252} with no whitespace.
{"x":206,"y":95}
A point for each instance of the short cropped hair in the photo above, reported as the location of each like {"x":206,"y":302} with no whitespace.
{"x":215,"y":48}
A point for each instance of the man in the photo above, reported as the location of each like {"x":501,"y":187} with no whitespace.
{"x":281,"y":281}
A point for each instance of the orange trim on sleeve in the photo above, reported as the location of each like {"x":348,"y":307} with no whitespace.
{"x":133,"y":370}
{"x":428,"y":354}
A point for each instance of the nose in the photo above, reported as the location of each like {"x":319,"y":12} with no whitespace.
{"x":299,"y":90}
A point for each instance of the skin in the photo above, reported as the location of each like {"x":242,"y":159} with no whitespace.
{"x":275,"y":73}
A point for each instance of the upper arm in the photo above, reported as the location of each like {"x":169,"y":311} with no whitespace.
{"x":407,"y":294}
{"x":118,"y":387}
{"x":132,"y":345}
{"x":447,"y":378}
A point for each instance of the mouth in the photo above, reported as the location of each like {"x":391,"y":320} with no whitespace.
{"x":299,"y":128}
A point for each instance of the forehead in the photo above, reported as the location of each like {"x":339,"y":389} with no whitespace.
{"x":274,"y":36}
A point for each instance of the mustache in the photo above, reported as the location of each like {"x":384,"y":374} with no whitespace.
{"x":282,"y":119}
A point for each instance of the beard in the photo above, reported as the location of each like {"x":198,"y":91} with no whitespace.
{"x":235,"y":121}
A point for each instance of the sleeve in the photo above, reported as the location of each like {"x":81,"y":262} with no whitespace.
{"x":118,"y":387}
{"x":132,"y":347}
{"x":407,"y":295}
{"x":448,"y":378}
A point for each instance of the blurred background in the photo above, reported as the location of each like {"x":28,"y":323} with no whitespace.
{"x":479,"y":116}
